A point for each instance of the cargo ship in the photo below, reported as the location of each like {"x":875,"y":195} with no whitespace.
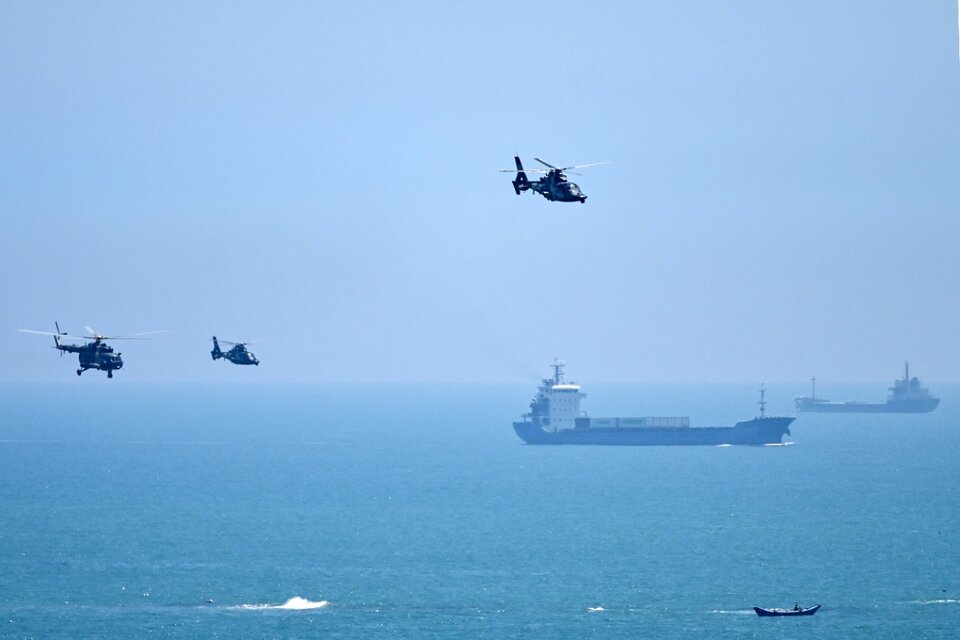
{"x":555,"y":418}
{"x":906,"y":396}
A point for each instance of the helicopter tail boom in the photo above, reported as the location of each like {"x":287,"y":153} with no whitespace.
{"x":216,"y":353}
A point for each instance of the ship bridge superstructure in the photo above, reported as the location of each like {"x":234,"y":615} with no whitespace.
{"x":557,"y":403}
{"x":909,"y":389}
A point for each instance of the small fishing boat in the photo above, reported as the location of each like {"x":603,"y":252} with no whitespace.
{"x":796,"y":611}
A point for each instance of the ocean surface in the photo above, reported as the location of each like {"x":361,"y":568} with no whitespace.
{"x":413,"y":511}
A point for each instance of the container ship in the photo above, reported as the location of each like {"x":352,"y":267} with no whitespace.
{"x":906,"y":396}
{"x":555,"y":418}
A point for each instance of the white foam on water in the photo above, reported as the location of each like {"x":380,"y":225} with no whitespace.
{"x":595,"y":609}
{"x":738,"y":612}
{"x":295,"y":603}
{"x":938,"y":601}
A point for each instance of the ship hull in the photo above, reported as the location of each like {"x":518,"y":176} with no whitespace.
{"x":767,"y":613}
{"x":925,"y":406}
{"x":759,"y":431}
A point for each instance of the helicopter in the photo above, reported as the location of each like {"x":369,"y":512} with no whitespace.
{"x":93,"y":355}
{"x":554,"y":186}
{"x":237,"y":355}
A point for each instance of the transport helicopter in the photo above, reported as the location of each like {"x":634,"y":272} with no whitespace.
{"x":554,"y":186}
{"x":93,"y":355}
{"x":237,"y":355}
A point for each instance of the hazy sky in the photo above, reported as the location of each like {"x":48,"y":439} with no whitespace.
{"x":322,"y":178}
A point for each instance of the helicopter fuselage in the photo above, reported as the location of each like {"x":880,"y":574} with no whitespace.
{"x":95,"y":355}
{"x":555,"y":187}
{"x":239,"y":355}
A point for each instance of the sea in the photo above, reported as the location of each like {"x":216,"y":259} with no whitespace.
{"x":132,"y":510}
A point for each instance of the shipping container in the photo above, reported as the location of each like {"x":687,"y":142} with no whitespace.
{"x":648,"y":422}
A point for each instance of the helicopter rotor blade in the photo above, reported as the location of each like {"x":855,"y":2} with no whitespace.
{"x":576,"y":166}
{"x":581,"y":166}
{"x":40,"y":333}
{"x":524,"y":170}
{"x":137,"y":336}
{"x":93,"y":336}
{"x":50,"y":333}
{"x":546,"y":164}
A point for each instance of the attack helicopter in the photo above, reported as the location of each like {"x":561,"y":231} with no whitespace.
{"x":93,"y":355}
{"x":554,"y":186}
{"x":237,"y":355}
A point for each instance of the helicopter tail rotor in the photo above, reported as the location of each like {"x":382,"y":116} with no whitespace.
{"x":56,"y":337}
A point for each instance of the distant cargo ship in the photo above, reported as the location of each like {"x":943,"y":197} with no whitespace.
{"x":906,"y":396}
{"x":555,"y":418}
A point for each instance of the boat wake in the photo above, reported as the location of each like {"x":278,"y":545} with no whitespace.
{"x":938,"y":601}
{"x":780,"y":444}
{"x":595,"y":609}
{"x":295,"y":603}
{"x":735,"y":612}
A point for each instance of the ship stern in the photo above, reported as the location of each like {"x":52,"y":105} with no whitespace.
{"x":533,"y":433}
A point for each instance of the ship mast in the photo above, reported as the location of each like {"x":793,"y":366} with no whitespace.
{"x":763,"y":400}
{"x":813,"y":387}
{"x":558,"y":370}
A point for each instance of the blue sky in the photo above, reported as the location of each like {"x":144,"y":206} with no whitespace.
{"x":781,"y":199}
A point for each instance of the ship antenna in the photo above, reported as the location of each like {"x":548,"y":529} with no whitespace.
{"x":557,"y":370}
{"x":813,"y":387}
{"x":906,"y":370}
{"x":763,"y":400}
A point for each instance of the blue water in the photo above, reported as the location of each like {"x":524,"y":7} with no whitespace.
{"x":414,"y":512}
